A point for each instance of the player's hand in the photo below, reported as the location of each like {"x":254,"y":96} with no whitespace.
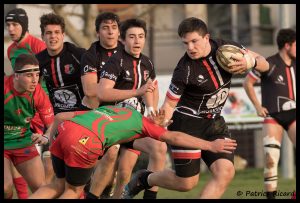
{"x":159,"y":118}
{"x":262,"y":111}
{"x":241,"y":64}
{"x":223,"y":146}
{"x":39,"y":139}
{"x":148,"y":87}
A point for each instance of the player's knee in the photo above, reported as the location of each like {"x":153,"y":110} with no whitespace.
{"x":111,"y":154}
{"x":123,"y":176}
{"x":224,"y":176}
{"x":272,"y":153}
{"x":8,"y":187}
{"x":159,"y":149}
{"x":185,"y":186}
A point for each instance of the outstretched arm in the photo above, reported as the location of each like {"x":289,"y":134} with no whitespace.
{"x":184,"y":140}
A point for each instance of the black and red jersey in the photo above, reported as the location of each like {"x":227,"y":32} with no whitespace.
{"x":62,"y":76}
{"x":95,"y":57}
{"x":128,"y":72}
{"x":200,"y":86}
{"x":278,"y":85}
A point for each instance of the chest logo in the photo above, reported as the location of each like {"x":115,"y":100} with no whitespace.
{"x":69,"y":69}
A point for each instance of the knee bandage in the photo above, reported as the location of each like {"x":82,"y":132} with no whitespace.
{"x":272,"y":154}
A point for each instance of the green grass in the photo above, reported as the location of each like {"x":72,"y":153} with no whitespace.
{"x":247,"y":180}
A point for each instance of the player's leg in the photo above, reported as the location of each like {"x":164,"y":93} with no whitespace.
{"x":157,"y":158}
{"x":57,"y":186}
{"x":27,"y":168}
{"x":8,"y":180}
{"x":51,"y":190}
{"x":103,"y":172}
{"x":126,"y":162}
{"x":185,"y":176}
{"x":272,"y":132}
{"x":292,"y":132}
{"x":47,"y":162}
{"x":20,"y":184}
{"x":222,"y":173}
{"x":76,"y":179}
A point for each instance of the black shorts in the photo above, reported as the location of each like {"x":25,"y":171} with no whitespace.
{"x":285,"y":118}
{"x":74,"y":176}
{"x":187,"y":161}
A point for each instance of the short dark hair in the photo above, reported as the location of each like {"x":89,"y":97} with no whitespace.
{"x":285,"y":36}
{"x":134,"y":22}
{"x":25,"y":59}
{"x":51,"y":19}
{"x":192,"y":25}
{"x":104,"y":17}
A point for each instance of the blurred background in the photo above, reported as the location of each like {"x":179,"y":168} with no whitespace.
{"x":253,"y":25}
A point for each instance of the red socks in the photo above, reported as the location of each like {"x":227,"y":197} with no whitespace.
{"x":21,"y":187}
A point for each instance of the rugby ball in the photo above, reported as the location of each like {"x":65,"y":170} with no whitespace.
{"x":225,"y":53}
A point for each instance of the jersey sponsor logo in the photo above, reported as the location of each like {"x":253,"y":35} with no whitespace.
{"x":133,"y":102}
{"x":66,"y":97}
{"x":110,"y":76}
{"x":84,"y":140}
{"x":285,"y":104}
{"x":88,"y":68}
{"x":69,"y":69}
{"x":217,"y":99}
{"x":280,"y":80}
{"x":104,"y":114}
{"x":9,"y":127}
{"x":174,"y":88}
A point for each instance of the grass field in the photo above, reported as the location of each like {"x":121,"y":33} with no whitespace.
{"x":247,"y":180}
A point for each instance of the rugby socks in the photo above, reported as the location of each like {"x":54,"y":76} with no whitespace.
{"x":271,"y":195}
{"x":21,"y":187}
{"x":148,"y":194}
{"x":89,"y":195}
{"x":144,"y":179}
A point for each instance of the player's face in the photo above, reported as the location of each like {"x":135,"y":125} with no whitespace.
{"x":27,"y":81}
{"x":291,"y":50}
{"x":196,"y":45}
{"x":134,"y":41}
{"x":108,"y":34}
{"x":14,"y":30}
{"x":54,"y":39}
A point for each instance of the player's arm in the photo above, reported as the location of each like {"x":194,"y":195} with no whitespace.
{"x":184,"y":140}
{"x":89,"y":85}
{"x":151,"y":99}
{"x":168,"y":107}
{"x":249,"y":88}
{"x":262,"y":65}
{"x":107,"y":93}
{"x":58,"y":119}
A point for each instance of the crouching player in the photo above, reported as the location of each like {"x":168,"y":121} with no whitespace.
{"x":79,"y":138}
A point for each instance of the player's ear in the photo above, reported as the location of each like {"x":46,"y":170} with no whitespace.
{"x":17,"y":76}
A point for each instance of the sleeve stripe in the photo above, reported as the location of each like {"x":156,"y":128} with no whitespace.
{"x":173,"y":96}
